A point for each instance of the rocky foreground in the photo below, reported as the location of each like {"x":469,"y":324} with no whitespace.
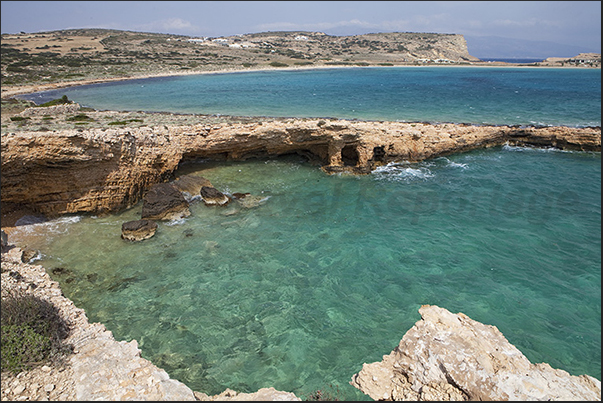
{"x":452,"y":357}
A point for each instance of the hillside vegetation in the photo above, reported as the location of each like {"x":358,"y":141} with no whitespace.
{"x":80,"y":54}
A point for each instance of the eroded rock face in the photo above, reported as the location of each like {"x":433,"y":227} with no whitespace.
{"x":447,"y":356}
{"x":164,"y":202}
{"x":107,"y":170}
{"x":138,"y":230}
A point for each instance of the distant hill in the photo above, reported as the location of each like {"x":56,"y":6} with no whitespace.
{"x":78,"y":54}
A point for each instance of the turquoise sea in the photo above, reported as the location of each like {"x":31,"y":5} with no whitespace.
{"x":329,"y":271}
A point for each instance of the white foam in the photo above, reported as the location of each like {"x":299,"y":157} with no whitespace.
{"x":453,"y":164}
{"x":55,"y":226}
{"x":508,"y":147}
{"x":401,"y":172}
{"x":176,"y":221}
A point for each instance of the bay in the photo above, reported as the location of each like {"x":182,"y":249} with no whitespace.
{"x":479,"y":95}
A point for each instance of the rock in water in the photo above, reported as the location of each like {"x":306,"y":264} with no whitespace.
{"x":138,"y":230}
{"x":164,"y":202}
{"x":213,"y":197}
{"x":452,"y":357}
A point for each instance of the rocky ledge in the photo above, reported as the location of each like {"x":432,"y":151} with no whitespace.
{"x":447,"y":356}
{"x":106,"y":170}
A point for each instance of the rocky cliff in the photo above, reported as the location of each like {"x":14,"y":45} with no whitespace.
{"x":447,"y":356}
{"x":106,"y":170}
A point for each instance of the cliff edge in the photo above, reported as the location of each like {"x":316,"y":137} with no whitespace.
{"x":107,"y":170}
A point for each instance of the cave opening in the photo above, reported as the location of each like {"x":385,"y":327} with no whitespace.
{"x":349,"y":155}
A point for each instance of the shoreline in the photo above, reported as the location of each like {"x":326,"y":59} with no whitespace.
{"x":13,"y":91}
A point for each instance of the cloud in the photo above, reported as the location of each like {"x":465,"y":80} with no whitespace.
{"x":319,"y":26}
{"x":531,"y":23}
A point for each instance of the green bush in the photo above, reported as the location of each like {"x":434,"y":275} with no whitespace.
{"x":32,"y":332}
{"x":124,"y":122}
{"x":79,"y":118}
{"x":58,"y":101}
{"x":278,"y":64}
{"x":18,"y":118}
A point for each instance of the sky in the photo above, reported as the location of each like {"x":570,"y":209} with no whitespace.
{"x":509,"y":26}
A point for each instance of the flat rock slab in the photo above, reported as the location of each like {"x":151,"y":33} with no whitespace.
{"x":138,"y":230}
{"x":164,"y":202}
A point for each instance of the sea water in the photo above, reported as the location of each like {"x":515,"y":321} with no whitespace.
{"x":480,"y":95}
{"x":329,"y":271}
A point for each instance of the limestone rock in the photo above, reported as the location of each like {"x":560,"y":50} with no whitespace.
{"x":164,"y":202}
{"x":107,"y":170}
{"x":51,"y":110}
{"x":447,"y":356}
{"x":138,"y":230}
{"x":213,"y":197}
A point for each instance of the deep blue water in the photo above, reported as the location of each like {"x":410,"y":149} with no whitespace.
{"x":480,"y":95}
{"x":329,"y":271}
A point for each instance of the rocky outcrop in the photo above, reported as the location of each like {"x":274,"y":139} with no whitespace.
{"x":138,"y":230}
{"x":213,"y":197}
{"x":164,"y":202}
{"x":51,"y":110}
{"x":107,"y":170}
{"x":447,"y":356}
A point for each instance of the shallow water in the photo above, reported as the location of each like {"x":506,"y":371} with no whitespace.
{"x":330,"y":271}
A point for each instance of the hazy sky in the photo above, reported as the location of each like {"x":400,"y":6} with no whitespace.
{"x":576,"y":23}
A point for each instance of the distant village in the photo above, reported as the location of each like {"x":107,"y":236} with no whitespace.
{"x":582,"y":60}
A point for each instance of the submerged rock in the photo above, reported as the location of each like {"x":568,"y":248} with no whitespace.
{"x":164,"y":202}
{"x":247,"y":200}
{"x":447,"y":356}
{"x":213,"y":197}
{"x":138,"y":230}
